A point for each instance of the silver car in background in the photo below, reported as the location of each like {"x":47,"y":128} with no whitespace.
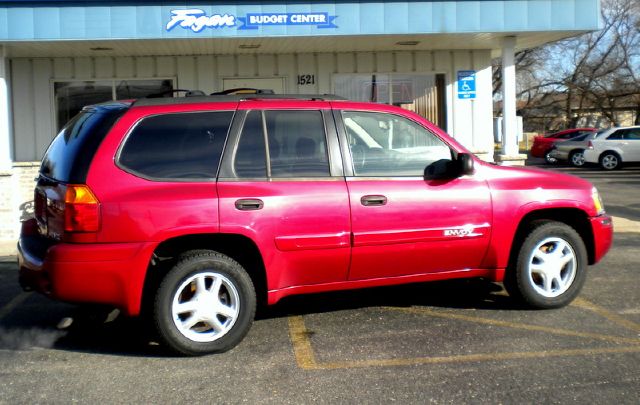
{"x":572,"y":150}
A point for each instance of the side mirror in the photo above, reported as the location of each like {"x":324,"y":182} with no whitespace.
{"x":465,"y":163}
{"x":449,"y":169}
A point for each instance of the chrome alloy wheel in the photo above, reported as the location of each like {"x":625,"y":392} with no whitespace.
{"x":577,"y":159}
{"x":552,"y":267}
{"x":205,"y":307}
{"x":610,"y":161}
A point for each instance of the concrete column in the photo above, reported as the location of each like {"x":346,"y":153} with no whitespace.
{"x":5,"y":113}
{"x":509,"y":153}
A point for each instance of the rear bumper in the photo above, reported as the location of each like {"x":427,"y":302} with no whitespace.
{"x":602,"y":226}
{"x":111,"y":274}
{"x":539,"y":150}
{"x":560,"y":155}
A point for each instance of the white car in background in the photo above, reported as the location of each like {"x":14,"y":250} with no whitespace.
{"x":612,"y":148}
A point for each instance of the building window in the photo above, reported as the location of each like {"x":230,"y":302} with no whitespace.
{"x":71,"y":96}
{"x":423,"y":94}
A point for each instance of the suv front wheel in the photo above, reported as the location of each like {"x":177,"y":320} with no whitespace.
{"x":550,"y":268}
{"x":205,"y":304}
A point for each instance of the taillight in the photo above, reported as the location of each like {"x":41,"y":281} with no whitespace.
{"x":589,"y":145}
{"x":81,"y":209}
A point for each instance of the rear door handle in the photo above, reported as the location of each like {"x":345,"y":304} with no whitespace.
{"x":371,"y":200}
{"x":249,"y":204}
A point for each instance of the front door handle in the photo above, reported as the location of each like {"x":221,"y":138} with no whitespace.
{"x":371,"y":200}
{"x":249,"y":204}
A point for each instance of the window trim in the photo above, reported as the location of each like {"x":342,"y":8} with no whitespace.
{"x":227,"y":170}
{"x":135,"y":173}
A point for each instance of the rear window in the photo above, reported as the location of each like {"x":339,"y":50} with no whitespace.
{"x":177,"y":146}
{"x":70,"y":154}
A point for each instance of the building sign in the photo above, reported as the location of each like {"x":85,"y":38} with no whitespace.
{"x":467,"y":84}
{"x":197,"y":20}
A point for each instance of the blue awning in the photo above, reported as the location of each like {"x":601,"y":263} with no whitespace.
{"x":93,"y":20}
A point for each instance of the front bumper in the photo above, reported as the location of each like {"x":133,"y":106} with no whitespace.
{"x":111,"y":274}
{"x":602,"y":227}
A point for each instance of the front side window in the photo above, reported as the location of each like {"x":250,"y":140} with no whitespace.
{"x":389,"y":145}
{"x":177,"y":146}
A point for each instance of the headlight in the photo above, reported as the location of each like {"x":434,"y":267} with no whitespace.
{"x":597,"y":201}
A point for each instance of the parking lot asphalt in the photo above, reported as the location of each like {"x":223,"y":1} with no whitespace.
{"x":446,"y":342}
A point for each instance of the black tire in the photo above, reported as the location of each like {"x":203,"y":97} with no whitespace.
{"x":610,"y":161}
{"x":527,"y":285}
{"x":549,"y":159}
{"x":576,"y":158}
{"x":236,"y":298}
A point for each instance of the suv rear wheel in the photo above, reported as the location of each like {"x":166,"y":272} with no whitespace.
{"x":205,"y":304}
{"x":550,"y":268}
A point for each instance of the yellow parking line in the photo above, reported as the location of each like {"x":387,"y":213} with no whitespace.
{"x":615,"y":318}
{"x":469,"y":358}
{"x":301,"y":343}
{"x":305,"y":357}
{"x":513,"y":325}
{"x":11,"y":305}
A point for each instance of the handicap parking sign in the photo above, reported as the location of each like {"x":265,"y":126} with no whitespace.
{"x":466,"y":84}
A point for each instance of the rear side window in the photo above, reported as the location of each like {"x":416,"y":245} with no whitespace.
{"x":70,"y":154}
{"x":297,"y":145}
{"x":177,"y":146}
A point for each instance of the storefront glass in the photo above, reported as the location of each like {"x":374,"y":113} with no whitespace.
{"x":420,"y":93}
{"x":72,"y":96}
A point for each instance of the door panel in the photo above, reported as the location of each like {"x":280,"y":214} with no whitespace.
{"x":401,"y":223}
{"x":281,"y":185}
{"x":424,"y":227}
{"x":302,"y":229}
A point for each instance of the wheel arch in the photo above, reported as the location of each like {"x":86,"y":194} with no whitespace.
{"x":574,"y":217}
{"x":611,"y":151}
{"x":240,"y":248}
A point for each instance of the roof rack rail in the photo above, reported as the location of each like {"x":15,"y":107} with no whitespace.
{"x":187,"y":93}
{"x":234,"y":97}
{"x":242,"y":90}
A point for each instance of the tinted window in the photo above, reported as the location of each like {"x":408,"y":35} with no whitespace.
{"x":177,"y":146}
{"x":297,"y":144}
{"x":617,"y":135}
{"x":250,"y":159}
{"x":633,"y":134}
{"x":390,"y":145}
{"x":68,"y":157}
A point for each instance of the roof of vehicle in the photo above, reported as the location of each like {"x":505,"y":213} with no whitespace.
{"x":108,"y":106}
{"x":566,"y":131}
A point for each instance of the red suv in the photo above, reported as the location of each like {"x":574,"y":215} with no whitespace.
{"x":194,"y":209}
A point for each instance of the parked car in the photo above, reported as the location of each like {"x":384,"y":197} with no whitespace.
{"x":193,"y":210}
{"x":542,"y":144}
{"x":614,"y":148}
{"x":572,"y":151}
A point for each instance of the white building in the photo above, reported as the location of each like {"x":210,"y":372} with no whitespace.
{"x":433,"y":57}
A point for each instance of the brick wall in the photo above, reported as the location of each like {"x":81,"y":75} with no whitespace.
{"x":16,"y":198}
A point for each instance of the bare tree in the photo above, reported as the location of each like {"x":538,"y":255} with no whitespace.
{"x":595,"y":74}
